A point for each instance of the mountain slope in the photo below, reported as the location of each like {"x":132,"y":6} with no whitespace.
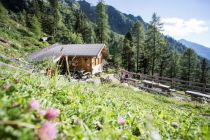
{"x":200,"y":49}
{"x":119,"y":22}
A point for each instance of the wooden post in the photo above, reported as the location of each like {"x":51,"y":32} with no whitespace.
{"x":67,"y":65}
{"x":204,"y":87}
{"x":172,"y":83}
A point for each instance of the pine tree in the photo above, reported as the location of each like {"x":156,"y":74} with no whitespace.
{"x":55,"y":14}
{"x":102,"y":23}
{"x":204,"y":71}
{"x":144,"y":60}
{"x":153,"y":38}
{"x":174,"y":65}
{"x":163,"y":57}
{"x":35,"y":10}
{"x":138,"y":39}
{"x":128,"y":53}
{"x":116,"y":45}
{"x":83,"y":27}
{"x":188,"y":65}
{"x":33,"y":23}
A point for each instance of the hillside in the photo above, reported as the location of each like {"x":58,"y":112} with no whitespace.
{"x":200,"y":49}
{"x":119,"y":22}
{"x":88,"y":111}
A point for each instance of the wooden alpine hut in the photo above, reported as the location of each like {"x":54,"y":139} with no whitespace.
{"x":74,"y":57}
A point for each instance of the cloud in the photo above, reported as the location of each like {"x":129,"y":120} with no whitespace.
{"x":178,"y":27}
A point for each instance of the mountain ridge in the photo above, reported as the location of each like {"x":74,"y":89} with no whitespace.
{"x":200,"y":49}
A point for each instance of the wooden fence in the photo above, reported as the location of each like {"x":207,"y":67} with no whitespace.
{"x":173,"y":82}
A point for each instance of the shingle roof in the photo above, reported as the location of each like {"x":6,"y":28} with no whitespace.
{"x":66,"y":50}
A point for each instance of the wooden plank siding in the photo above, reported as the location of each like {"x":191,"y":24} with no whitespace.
{"x":89,"y":64}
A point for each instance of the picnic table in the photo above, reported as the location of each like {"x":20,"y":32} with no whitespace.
{"x":197,"y":95}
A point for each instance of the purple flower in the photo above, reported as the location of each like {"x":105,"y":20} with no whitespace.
{"x":47,"y":131}
{"x":52,"y":113}
{"x":34,"y":105}
{"x":121,"y":120}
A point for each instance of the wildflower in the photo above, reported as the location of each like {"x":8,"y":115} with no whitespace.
{"x":121,"y":120}
{"x":52,"y":113}
{"x":175,"y":124}
{"x":6,"y":86}
{"x":47,"y":131}
{"x":34,"y":105}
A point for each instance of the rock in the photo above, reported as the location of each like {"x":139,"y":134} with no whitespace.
{"x":155,"y":135}
{"x":174,"y":124}
{"x":90,"y":81}
{"x":97,"y":82}
{"x":99,"y":126}
{"x":125,"y":84}
{"x":44,"y":39}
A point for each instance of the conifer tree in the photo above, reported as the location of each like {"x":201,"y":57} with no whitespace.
{"x":33,"y":23}
{"x":153,"y":38}
{"x":128,"y":53}
{"x":173,"y":68}
{"x":138,"y":39}
{"x":83,"y":27}
{"x":204,"y":71}
{"x":115,"y":43}
{"x":35,"y":8}
{"x":55,"y":14}
{"x":102,"y":23}
{"x":163,"y":57}
{"x":188,"y":65}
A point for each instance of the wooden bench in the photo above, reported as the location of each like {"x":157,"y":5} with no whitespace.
{"x":149,"y":84}
{"x":197,"y":95}
{"x":152,"y":84}
{"x":152,"y":90}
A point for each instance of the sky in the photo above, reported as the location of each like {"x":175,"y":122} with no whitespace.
{"x":183,"y":19}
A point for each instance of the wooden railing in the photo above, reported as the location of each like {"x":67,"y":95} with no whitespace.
{"x":173,"y":82}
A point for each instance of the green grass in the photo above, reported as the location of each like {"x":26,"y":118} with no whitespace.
{"x":83,"y":105}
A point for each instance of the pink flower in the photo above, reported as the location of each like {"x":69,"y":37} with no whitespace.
{"x":47,"y":131}
{"x":52,"y":113}
{"x":121,"y":120}
{"x":34,"y":105}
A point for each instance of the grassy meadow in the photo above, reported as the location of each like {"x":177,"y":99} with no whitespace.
{"x":88,"y":111}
